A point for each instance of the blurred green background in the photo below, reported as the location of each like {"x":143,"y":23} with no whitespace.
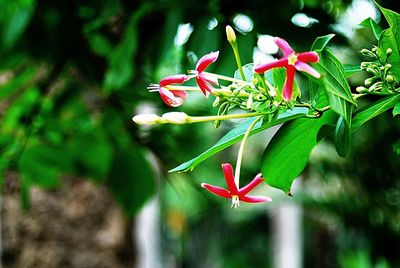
{"x":73,"y":73}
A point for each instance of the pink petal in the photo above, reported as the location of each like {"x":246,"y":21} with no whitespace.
{"x":230,"y":178}
{"x":206,"y":60}
{"x":216,"y":190}
{"x":308,"y":56}
{"x":205,"y":87}
{"x":255,"y":199}
{"x":262,"y":68}
{"x":304,"y":67}
{"x":208,"y":78}
{"x":173,"y":79}
{"x":288,"y":87}
{"x":170,"y":98}
{"x":256,"y":181}
{"x":284,"y":46}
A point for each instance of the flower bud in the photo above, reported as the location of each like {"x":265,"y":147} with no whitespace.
{"x":389,"y":78}
{"x":369,"y":81}
{"x":216,"y":102}
{"x":389,"y":51}
{"x":146,"y":119}
{"x":230,"y":34}
{"x":374,"y":49}
{"x":249,"y":101}
{"x":361,"y":89}
{"x":388,"y":66}
{"x":175,"y":118}
{"x":364,"y":65}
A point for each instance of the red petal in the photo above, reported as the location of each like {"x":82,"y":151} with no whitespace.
{"x":216,"y":190}
{"x":208,"y":78}
{"x":256,"y":181}
{"x":255,"y":199}
{"x":173,"y":79}
{"x":169,"y":98}
{"x":288,"y":87}
{"x":206,"y":60}
{"x":262,"y":68}
{"x":304,"y":67}
{"x":230,"y":178}
{"x":205,"y":87}
{"x":308,"y":56}
{"x":284,"y":46}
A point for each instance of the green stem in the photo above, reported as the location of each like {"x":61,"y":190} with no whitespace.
{"x":241,"y":150}
{"x":198,"y":119}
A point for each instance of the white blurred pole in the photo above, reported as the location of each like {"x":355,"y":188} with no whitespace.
{"x":147,"y":236}
{"x":287,"y":234}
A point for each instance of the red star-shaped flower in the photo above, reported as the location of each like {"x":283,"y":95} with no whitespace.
{"x":235,"y":193}
{"x":205,"y":80}
{"x":172,"y":98}
{"x":292,"y":61}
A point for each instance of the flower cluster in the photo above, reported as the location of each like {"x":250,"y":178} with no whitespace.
{"x":256,"y":95}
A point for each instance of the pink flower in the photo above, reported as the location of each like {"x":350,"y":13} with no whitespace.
{"x":203,"y":79}
{"x":292,"y":61}
{"x":172,"y":98}
{"x":235,"y":193}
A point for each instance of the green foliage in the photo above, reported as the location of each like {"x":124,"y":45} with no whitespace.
{"x":376,"y":29}
{"x":237,"y":134}
{"x":396,"y":109}
{"x":287,"y":154}
{"x":374,"y":109}
{"x":321,"y":42}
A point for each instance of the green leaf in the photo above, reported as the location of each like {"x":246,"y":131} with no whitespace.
{"x":350,"y":69}
{"x":248,"y":72}
{"x":335,"y":84}
{"x":396,"y":109}
{"x":370,"y":23}
{"x":41,"y":165}
{"x":373,"y":110}
{"x":342,"y":137}
{"x":390,"y":38}
{"x":121,"y":64}
{"x":287,"y":154}
{"x":131,"y":180}
{"x":237,"y":134}
{"x":321,"y":42}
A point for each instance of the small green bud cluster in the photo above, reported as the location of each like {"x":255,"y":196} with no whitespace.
{"x":382,"y":80}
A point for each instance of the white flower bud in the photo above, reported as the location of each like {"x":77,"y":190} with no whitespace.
{"x":175,"y":118}
{"x":146,"y":119}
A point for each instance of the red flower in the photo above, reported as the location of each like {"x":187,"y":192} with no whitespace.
{"x":292,"y":61}
{"x":235,"y":193}
{"x":203,"y":79}
{"x":172,"y":98}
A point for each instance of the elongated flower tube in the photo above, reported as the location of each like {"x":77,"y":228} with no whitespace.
{"x":292,"y":61}
{"x":233,"y":191}
{"x":172,"y":98}
{"x":205,"y":80}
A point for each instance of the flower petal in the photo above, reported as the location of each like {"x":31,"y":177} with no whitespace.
{"x":304,"y":67}
{"x":230,"y":178}
{"x":206,"y":60}
{"x":262,"y":68}
{"x":256,"y":181}
{"x":310,"y":56}
{"x":255,"y":199}
{"x":288,"y":87}
{"x":209,"y":78}
{"x":173,"y":79}
{"x":284,"y":46}
{"x":216,"y":190}
{"x":205,"y":87}
{"x":172,"y":99}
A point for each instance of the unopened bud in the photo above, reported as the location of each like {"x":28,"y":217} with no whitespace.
{"x":389,"y":78}
{"x":146,"y":119}
{"x":216,"y":102}
{"x":230,"y":34}
{"x":374,"y":49}
{"x":175,"y":118}
{"x":389,"y":51}
{"x":249,"y":101}
{"x":364,"y":65}
{"x":388,"y":66}
{"x":361,"y":89}
{"x":369,"y":81}
{"x":366,"y":52}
